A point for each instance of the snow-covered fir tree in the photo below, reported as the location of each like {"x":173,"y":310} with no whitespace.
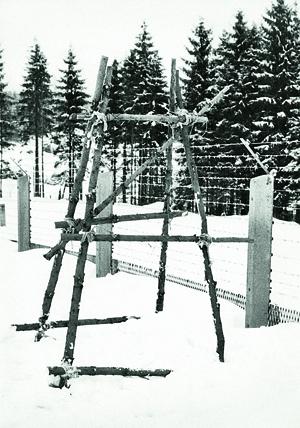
{"x":6,"y":124}
{"x":279,"y":98}
{"x":144,"y":92}
{"x":35,"y":113}
{"x":197,"y":82}
{"x":70,"y":100}
{"x":228,"y":162}
{"x":292,"y":169}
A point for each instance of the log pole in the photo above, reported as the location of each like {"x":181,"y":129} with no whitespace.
{"x":204,"y":230}
{"x":65,"y":323}
{"x":109,"y":371}
{"x":151,"y":238}
{"x":83,"y":251}
{"x":123,"y":218}
{"x":167,"y":201}
{"x":59,"y":250}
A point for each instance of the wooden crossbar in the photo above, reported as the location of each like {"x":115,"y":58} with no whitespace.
{"x":65,"y":323}
{"x":109,"y":371}
{"x":171,"y":119}
{"x":151,"y":238}
{"x":122,"y":218}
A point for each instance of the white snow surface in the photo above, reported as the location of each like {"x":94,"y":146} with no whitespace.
{"x":258,"y":386}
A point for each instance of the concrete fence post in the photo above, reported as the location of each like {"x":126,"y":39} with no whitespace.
{"x":2,"y":215}
{"x":259,"y":252}
{"x":104,"y":249}
{"x":23,"y":213}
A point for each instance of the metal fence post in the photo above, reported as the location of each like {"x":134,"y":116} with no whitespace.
{"x":23,"y":213}
{"x":259,"y":252}
{"x":104,"y":249}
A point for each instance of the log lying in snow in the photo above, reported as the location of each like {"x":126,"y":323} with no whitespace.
{"x":109,"y":371}
{"x":65,"y":323}
{"x":126,"y":217}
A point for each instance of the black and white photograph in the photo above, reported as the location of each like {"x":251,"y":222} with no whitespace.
{"x":149,"y":213}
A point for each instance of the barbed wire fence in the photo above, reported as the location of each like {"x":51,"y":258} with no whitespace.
{"x":226,"y":194}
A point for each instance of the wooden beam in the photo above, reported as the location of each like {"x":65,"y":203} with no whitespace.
{"x":59,"y":250}
{"x":159,"y":118}
{"x":151,"y":238}
{"x":204,"y":229}
{"x":167,"y":201}
{"x":100,"y":81}
{"x":65,"y":323}
{"x":109,"y":371}
{"x":88,"y":216}
{"x":126,"y":217}
{"x":87,"y":142}
{"x":172,"y":119}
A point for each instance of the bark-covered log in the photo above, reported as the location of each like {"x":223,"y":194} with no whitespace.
{"x":174,"y":119}
{"x":51,"y":286}
{"x":100,"y":81}
{"x":159,"y":118}
{"x":77,"y":187}
{"x":151,"y":238}
{"x":204,"y":230}
{"x":88,"y":216}
{"x":65,"y":323}
{"x":59,"y":249}
{"x":167,"y":201}
{"x":122,"y":218}
{"x":109,"y":371}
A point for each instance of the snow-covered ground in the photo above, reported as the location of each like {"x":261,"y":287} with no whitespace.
{"x":258,"y":386}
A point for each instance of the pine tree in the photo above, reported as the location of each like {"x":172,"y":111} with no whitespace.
{"x":5,"y":125}
{"x":197,"y":83}
{"x":70,"y":99}
{"x":144,"y":92}
{"x":35,"y":112}
{"x":228,"y":161}
{"x":279,"y":98}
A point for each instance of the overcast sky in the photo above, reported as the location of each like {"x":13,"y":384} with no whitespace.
{"x":107,"y":27}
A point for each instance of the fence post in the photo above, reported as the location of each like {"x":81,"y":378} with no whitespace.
{"x":23,"y":213}
{"x":104,"y":249}
{"x":2,"y":215}
{"x":259,"y":252}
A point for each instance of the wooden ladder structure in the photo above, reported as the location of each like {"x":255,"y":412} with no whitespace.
{"x":80,"y":229}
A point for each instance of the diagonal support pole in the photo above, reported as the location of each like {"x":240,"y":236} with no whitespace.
{"x":60,"y":249}
{"x":204,"y":230}
{"x":83,"y":251}
{"x":167,"y":202}
{"x":129,"y":180}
